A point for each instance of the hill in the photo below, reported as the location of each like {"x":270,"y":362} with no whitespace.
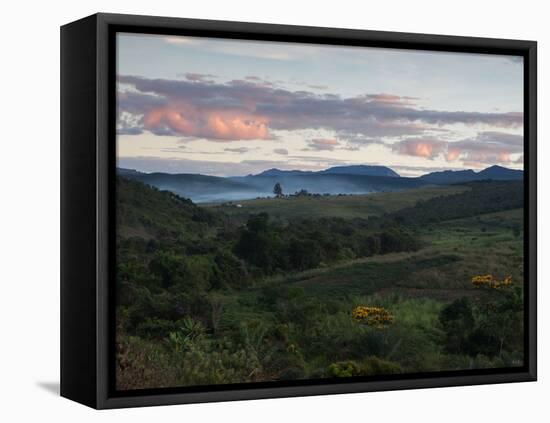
{"x":199,"y":188}
{"x":146,"y":212}
{"x":341,"y":207}
{"x":279,"y":172}
{"x":366,"y":170}
{"x":128,"y":172}
{"x":450,"y":176}
{"x":482,"y":197}
{"x":500,"y":173}
{"x":497,"y":173}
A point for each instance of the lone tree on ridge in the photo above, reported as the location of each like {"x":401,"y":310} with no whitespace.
{"x":278,"y":190}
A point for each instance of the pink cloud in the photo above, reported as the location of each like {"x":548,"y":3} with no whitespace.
{"x":452,"y":154}
{"x":487,"y":147}
{"x":391,"y":99}
{"x":187,"y":120}
{"x":420,"y":147}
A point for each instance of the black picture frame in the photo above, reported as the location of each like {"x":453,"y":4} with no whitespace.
{"x":88,"y":223}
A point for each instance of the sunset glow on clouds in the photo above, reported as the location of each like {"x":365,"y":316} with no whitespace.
{"x":428,"y":148}
{"x":279,"y":116}
{"x":485,"y":149}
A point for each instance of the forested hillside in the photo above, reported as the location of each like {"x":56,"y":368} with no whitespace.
{"x":481,"y":197}
{"x":156,"y":213}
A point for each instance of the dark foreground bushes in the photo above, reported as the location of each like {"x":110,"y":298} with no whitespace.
{"x":489,"y":328}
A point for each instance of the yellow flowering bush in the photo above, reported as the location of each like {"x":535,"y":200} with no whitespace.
{"x":489,"y":281}
{"x":377,"y":317}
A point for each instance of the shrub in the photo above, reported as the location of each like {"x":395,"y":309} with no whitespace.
{"x":369,"y":367}
{"x":457,"y":320}
{"x":377,"y":317}
{"x":344,"y":369}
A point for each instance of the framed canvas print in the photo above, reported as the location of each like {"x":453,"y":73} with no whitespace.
{"x":255,"y":211}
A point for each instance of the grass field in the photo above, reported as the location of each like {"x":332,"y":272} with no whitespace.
{"x":347,"y":207}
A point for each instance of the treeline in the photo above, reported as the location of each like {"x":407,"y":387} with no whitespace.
{"x":269,"y":247}
{"x":481,"y":197}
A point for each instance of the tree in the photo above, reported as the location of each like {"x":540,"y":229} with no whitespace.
{"x":457,"y":320}
{"x":259,"y":244}
{"x":278,"y":190}
{"x":395,"y":240}
{"x":168,"y":266}
{"x":304,"y":254}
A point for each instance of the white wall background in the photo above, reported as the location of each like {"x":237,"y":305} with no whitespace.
{"x":29,"y":231}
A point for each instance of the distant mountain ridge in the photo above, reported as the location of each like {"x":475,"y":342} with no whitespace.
{"x":501,"y":173}
{"x":365,"y":170}
{"x":128,"y":172}
{"x":279,"y":172}
{"x":356,"y":179}
{"x":497,"y":173}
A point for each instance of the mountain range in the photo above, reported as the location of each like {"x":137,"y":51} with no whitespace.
{"x":356,"y":179}
{"x":497,"y":173}
{"x":365,"y":170}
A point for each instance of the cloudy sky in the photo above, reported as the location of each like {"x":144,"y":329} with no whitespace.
{"x":230,"y":107}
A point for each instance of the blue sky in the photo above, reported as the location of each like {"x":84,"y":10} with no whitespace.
{"x":231,"y":107}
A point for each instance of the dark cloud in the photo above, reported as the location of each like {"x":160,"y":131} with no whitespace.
{"x":250,"y":109}
{"x":199,"y":77}
{"x":129,"y":131}
{"x":237,"y":150}
{"x":318,"y":87}
{"x":322,"y":144}
{"x":281,"y":151}
{"x":163,"y":132}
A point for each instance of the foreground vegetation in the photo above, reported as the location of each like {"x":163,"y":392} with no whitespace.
{"x":281,"y":289}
